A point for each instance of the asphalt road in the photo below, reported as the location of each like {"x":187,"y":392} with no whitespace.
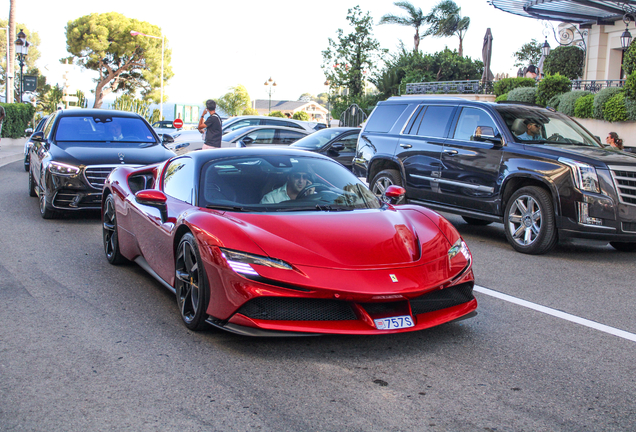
{"x":86,"y":346}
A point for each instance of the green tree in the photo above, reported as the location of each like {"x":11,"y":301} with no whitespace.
{"x":445,"y":21}
{"x":565,"y":60}
{"x":300,"y":115}
{"x":529,"y":53}
{"x":277,"y":114}
{"x":29,"y":62}
{"x":235,"y":101}
{"x":347,"y":60}
{"x":125,"y":63}
{"x":415,"y":18}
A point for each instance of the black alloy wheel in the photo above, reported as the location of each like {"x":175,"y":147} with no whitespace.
{"x":383,"y":180}
{"x":109,"y":233}
{"x":529,"y":221}
{"x":191,"y":284}
{"x":45,"y":208}
{"x":32,"y":192}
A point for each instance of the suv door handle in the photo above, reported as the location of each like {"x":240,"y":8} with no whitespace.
{"x":450,"y":152}
{"x":406,"y":146}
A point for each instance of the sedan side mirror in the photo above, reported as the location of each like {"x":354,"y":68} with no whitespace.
{"x":394,"y":193}
{"x":38,"y":136}
{"x":167,"y":139}
{"x":153,"y":198}
{"x":337,"y":146}
{"x":28,"y":131}
{"x":247,"y":141}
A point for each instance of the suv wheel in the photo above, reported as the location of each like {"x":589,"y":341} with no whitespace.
{"x":383,"y":180}
{"x":529,"y":221}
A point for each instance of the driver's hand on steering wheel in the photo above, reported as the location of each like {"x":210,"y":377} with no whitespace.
{"x":310,"y":191}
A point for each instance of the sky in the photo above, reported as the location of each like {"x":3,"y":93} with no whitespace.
{"x":219,"y":44}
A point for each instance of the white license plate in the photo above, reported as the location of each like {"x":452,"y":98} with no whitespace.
{"x":394,"y":323}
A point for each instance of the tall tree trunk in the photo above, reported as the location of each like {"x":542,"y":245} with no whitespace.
{"x":10,"y":72}
{"x":461,"y":47}
{"x":416,"y":39}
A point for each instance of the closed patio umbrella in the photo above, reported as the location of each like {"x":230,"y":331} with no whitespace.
{"x":486,"y":53}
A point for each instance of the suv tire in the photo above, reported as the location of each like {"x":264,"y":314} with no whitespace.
{"x":529,"y":221}
{"x":383,"y":180}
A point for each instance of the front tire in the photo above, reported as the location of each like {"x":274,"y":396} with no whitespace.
{"x":32,"y":192}
{"x":191,"y":284}
{"x":383,"y":180}
{"x":27,"y":162}
{"x":110,"y":234}
{"x":623,"y":246}
{"x":45,"y":208}
{"x":529,"y":221}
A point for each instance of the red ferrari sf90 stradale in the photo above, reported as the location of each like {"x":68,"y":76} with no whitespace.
{"x":280,"y":241}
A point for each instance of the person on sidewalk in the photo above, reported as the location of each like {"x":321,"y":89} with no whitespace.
{"x":211,"y":126}
{"x":614,"y":141}
{"x":2,"y":115}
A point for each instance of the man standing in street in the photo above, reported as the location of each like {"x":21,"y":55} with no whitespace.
{"x":2,"y":114}
{"x":210,"y":126}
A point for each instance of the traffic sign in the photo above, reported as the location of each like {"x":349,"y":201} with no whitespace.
{"x":177,"y":123}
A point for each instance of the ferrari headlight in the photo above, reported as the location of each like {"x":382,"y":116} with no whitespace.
{"x":585,"y":177}
{"x":63,"y":169}
{"x":459,"y":247}
{"x":242,"y":262}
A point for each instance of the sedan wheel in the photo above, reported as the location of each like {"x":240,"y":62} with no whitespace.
{"x":26,"y":162}
{"x":191,"y":284}
{"x":109,"y":233}
{"x":32,"y":192}
{"x":383,"y":180}
{"x":45,"y":210}
{"x":529,"y":221}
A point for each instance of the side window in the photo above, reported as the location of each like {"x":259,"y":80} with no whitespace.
{"x":468,"y":121}
{"x":282,"y":123}
{"x":349,"y":142}
{"x":289,"y":137}
{"x":384,"y":117}
{"x":434,"y":121}
{"x":262,"y":136}
{"x":179,"y":180}
{"x":243,"y":123}
{"x":49,"y":125}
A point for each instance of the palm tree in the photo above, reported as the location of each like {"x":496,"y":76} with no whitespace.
{"x":445,"y":20}
{"x":415,"y":19}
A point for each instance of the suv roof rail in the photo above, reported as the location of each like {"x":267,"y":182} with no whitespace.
{"x":520,"y":103}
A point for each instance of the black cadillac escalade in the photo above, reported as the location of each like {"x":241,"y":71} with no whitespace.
{"x":535,"y":170}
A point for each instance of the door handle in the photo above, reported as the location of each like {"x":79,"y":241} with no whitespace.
{"x":406,"y":146}
{"x":450,"y":152}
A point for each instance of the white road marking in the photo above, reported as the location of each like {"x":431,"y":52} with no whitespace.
{"x":557,"y":313}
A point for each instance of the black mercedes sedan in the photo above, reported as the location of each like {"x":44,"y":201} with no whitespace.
{"x":77,"y":149}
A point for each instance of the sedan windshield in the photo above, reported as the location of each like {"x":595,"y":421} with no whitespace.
{"x":282,"y":183}
{"x":105,"y":130}
{"x":317,"y":140}
{"x":541,"y":126}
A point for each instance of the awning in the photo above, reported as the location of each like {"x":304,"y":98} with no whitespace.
{"x":574,"y":11}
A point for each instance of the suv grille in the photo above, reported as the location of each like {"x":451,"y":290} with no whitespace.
{"x":625,"y":181}
{"x":96,"y":175}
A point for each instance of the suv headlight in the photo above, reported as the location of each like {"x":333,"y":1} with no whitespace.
{"x":63,"y":169}
{"x":585,"y":177}
{"x":241,"y":262}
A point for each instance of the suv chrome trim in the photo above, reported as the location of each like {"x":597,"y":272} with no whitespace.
{"x":477,"y":187}
{"x":624,"y":178}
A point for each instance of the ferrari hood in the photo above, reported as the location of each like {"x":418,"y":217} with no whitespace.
{"x":355,"y":239}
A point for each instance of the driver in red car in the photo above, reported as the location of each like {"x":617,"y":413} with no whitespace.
{"x":297,"y":179}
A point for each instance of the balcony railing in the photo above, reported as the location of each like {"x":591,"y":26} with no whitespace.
{"x":595,"y":85}
{"x":450,"y":87}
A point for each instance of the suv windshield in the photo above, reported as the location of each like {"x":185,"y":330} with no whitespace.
{"x":541,"y":126}
{"x":104,"y":130}
{"x":282,"y":183}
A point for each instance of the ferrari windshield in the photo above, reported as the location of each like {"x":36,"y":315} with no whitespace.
{"x":541,"y":126}
{"x":282,"y":183}
{"x":105,"y":130}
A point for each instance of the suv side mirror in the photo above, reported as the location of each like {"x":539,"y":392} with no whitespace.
{"x":486,"y":133}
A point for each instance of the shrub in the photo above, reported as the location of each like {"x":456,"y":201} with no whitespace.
{"x":300,"y":115}
{"x":584,"y":106}
{"x":565,"y":60}
{"x":249,"y":111}
{"x":555,"y":101}
{"x":630,"y":86}
{"x":630,"y":107}
{"x":568,"y":100}
{"x":523,"y":94}
{"x":18,"y":117}
{"x":551,"y":86}
{"x":629,"y":60}
{"x":601,"y":98}
{"x":277,"y":114}
{"x":502,"y":98}
{"x":504,"y":85}
{"x":614,"y":109}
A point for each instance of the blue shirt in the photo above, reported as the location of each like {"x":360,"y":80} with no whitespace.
{"x":527,"y":137}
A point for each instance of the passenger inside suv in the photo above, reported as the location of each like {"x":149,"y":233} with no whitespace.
{"x":527,"y":129}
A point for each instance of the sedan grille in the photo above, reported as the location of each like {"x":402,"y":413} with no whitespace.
{"x":625,"y":181}
{"x":96,"y":174}
{"x":297,"y":309}
{"x":72,"y":199}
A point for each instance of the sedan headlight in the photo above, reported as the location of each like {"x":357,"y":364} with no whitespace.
{"x":63,"y":169}
{"x":585,"y":177}
{"x":241,"y":262}
{"x":459,"y":247}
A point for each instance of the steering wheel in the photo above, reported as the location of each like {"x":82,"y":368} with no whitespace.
{"x":555,"y":137}
{"x":305,"y":191}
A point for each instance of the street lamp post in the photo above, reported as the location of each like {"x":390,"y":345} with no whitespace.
{"x":163,"y":41}
{"x":22,"y":49}
{"x":8,"y":77}
{"x":270,"y":84}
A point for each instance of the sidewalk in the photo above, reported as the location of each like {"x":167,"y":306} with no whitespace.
{"x":11,"y":150}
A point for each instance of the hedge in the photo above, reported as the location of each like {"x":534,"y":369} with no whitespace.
{"x":523,"y":94}
{"x":568,"y":100}
{"x":601,"y":98}
{"x":555,"y":101}
{"x":614,"y":109}
{"x":505,"y":85}
{"x":584,"y":107}
{"x":502,"y":98}
{"x":551,"y":86}
{"x":18,"y":117}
